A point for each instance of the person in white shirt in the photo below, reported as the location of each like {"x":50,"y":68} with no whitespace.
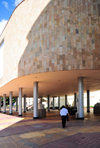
{"x":63,"y":114}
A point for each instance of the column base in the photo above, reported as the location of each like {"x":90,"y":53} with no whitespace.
{"x":20,"y":115}
{"x":10,"y":113}
{"x":35,"y":117}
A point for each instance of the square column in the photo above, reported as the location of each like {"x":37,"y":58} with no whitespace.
{"x":58,"y":102}
{"x":74,"y":99}
{"x":16,"y":104}
{"x":48,"y":104}
{"x":0,"y":104}
{"x":35,"y":95}
{"x":80,"y":112}
{"x":65,"y":100}
{"x":4,"y":103}
{"x":40,"y":106}
{"x":88,"y":101}
{"x":24,"y":104}
{"x":10,"y":103}
{"x":53,"y":103}
{"x":41,"y":101}
{"x":20,"y":101}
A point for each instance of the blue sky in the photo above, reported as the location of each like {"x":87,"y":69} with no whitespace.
{"x":6,"y":9}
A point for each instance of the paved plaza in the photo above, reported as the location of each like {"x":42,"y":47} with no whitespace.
{"x":24,"y":132}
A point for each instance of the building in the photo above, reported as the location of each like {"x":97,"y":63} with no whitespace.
{"x":52,"y":46}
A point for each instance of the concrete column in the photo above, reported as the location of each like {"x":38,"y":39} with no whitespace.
{"x":48,"y":104}
{"x":65,"y":100}
{"x":24,"y":104}
{"x":58,"y":102}
{"x":10,"y":103}
{"x":80,"y":99}
{"x":41,"y":100}
{"x":88,"y":101}
{"x":16,"y":104}
{"x":53,"y":103}
{"x":4,"y":103}
{"x":20,"y":102}
{"x":41,"y":107}
{"x":74,"y":99}
{"x":0,"y":104}
{"x":35,"y":100}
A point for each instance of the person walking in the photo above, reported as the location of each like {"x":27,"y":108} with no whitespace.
{"x":63,"y":114}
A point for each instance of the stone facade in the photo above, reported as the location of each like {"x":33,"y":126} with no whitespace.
{"x":65,"y":36}
{"x":52,"y":35}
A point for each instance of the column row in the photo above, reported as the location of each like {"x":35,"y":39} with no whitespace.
{"x":77,"y":102}
{"x":19,"y":109}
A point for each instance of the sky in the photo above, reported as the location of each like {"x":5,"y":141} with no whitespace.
{"x":6,"y":9}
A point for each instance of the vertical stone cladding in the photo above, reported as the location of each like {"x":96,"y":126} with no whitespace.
{"x":65,"y":36}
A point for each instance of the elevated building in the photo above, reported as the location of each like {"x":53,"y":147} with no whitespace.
{"x":52,"y":46}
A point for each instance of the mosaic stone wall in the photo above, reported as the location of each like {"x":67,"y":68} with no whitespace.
{"x":51,"y":35}
{"x":66,"y":36}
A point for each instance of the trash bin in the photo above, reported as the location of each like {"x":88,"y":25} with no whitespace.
{"x":42,"y":113}
{"x":97,"y":108}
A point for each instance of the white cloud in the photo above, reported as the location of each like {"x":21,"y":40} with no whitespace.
{"x":2,"y":25}
{"x":5,"y":4}
{"x":17,"y":2}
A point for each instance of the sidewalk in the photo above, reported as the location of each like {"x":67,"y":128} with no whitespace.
{"x":16,"y":132}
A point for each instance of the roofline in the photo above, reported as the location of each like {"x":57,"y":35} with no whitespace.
{"x":11,"y":16}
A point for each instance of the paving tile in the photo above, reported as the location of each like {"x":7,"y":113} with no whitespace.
{"x":29,"y":133}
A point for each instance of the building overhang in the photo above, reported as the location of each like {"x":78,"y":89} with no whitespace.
{"x":53,"y":83}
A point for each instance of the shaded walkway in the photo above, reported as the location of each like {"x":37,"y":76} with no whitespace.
{"x":28,"y":133}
